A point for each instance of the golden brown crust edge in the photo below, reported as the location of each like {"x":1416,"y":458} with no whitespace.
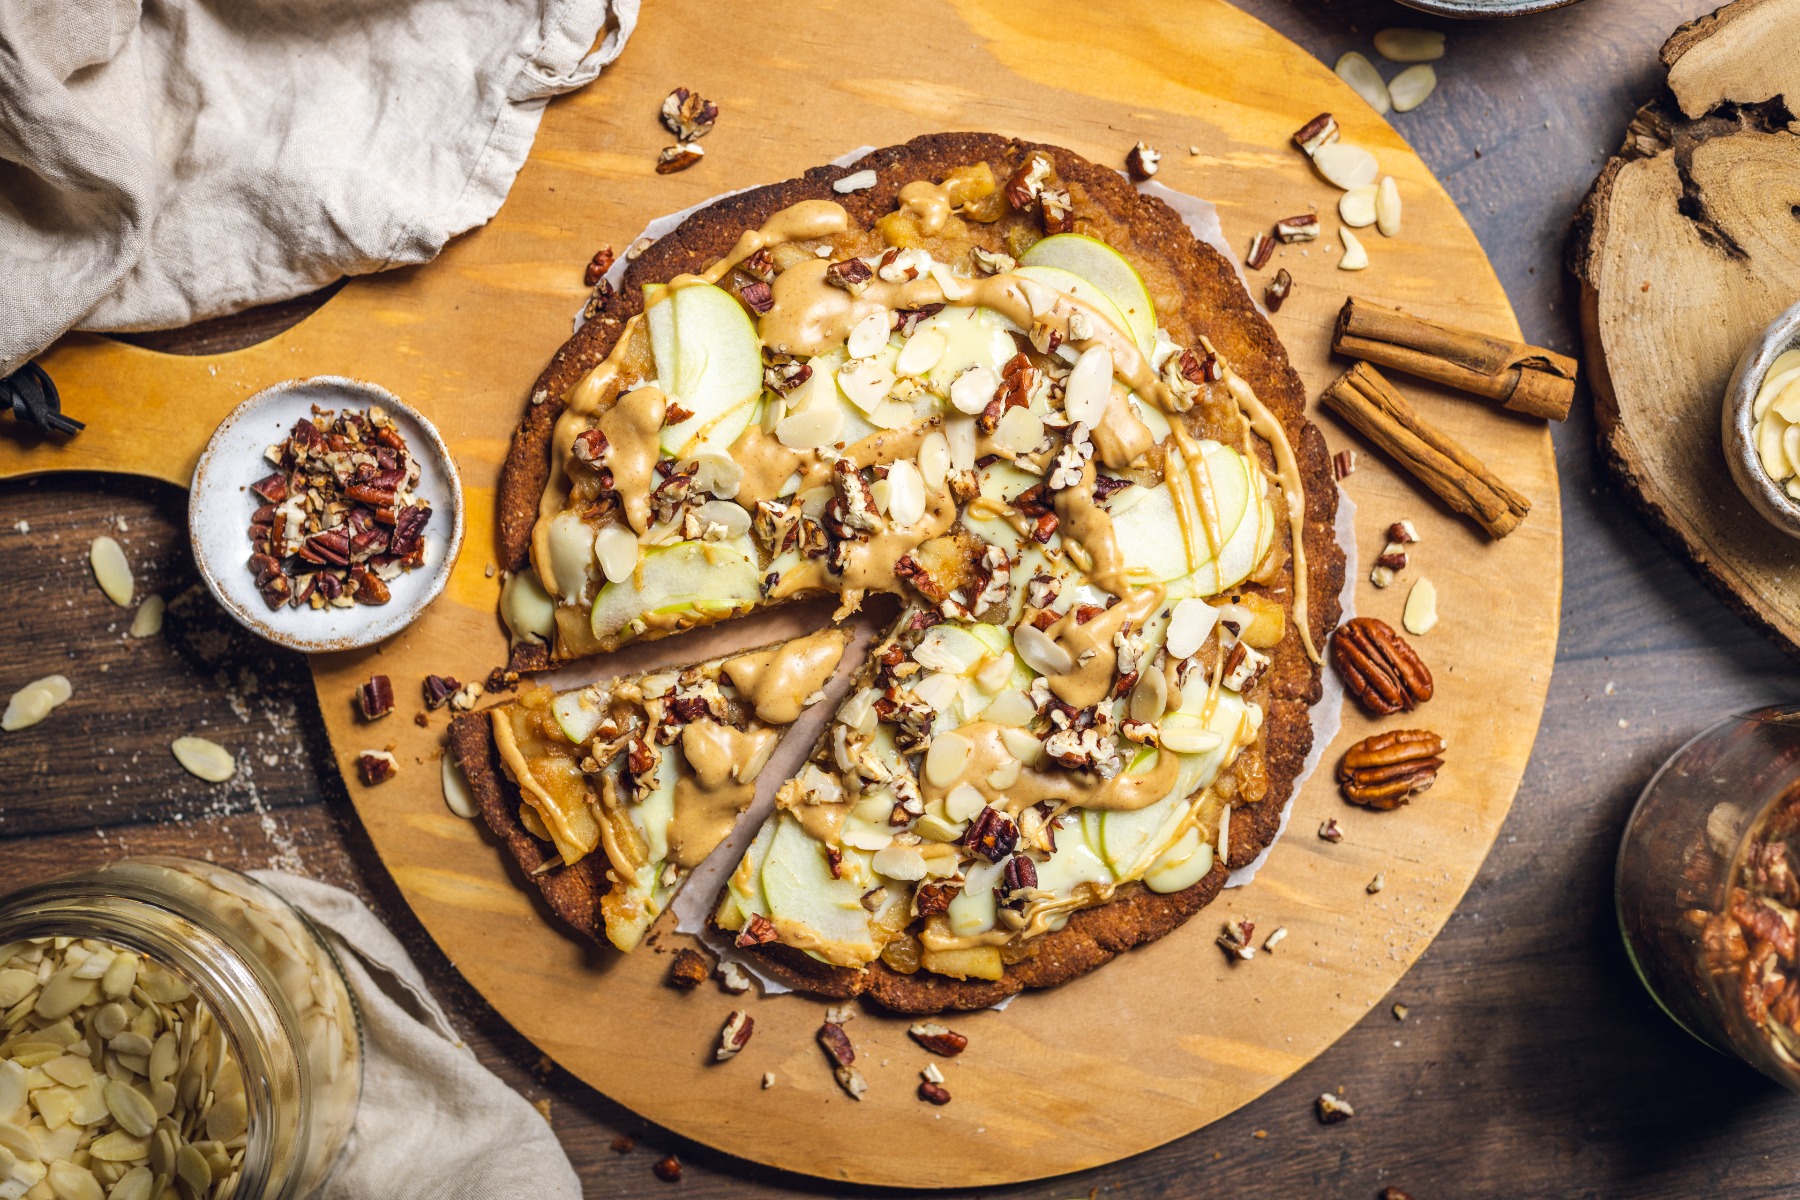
{"x":1215,"y":306}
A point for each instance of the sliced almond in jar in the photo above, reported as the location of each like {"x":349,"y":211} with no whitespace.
{"x":906,"y":493}
{"x":934,"y":460}
{"x":1355,"y":257}
{"x":1019,"y":431}
{"x":1356,"y":207}
{"x":1345,"y":166}
{"x":1412,"y":86}
{"x":1387,"y":207}
{"x":1410,"y":45}
{"x":1365,"y":80}
{"x":811,"y":429}
{"x":128,"y":1106}
{"x":1421,"y":613}
{"x":147,"y":620}
{"x":111,"y":570}
{"x":616,"y":550}
{"x":204,"y":759}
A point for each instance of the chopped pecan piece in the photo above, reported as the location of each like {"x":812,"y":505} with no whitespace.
{"x":376,"y":697}
{"x":1023,"y":187}
{"x":1382,"y":772}
{"x":759,"y":298}
{"x":1141,"y":162}
{"x":851,"y":274}
{"x":688,"y":115}
{"x":1334,"y":1109}
{"x":757,"y":931}
{"x":589,"y":448}
{"x":759,"y":266}
{"x":1057,"y":210}
{"x":1280,"y":287}
{"x":935,"y":1093}
{"x":1262,"y":249}
{"x":938,"y":1039}
{"x":1379,"y":668}
{"x":439,"y":689}
{"x":735,"y":1035}
{"x":668,"y":1169}
{"x":1302,"y":228}
{"x":931,"y":899}
{"x":376,"y":766}
{"x":991,"y":834}
{"x":679,"y":157}
{"x":598,"y":266}
{"x":1315,"y":133}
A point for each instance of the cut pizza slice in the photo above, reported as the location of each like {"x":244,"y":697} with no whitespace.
{"x":608,"y":795}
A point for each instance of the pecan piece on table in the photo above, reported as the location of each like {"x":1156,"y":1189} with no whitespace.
{"x":1380,"y":669}
{"x":939,"y":1039}
{"x":688,"y":970}
{"x":1384,"y":771}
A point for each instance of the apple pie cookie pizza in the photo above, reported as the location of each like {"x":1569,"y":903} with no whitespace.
{"x":992,"y":379}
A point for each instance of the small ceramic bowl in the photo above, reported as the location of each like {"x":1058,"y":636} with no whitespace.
{"x":220,"y":503}
{"x":1738,"y":423}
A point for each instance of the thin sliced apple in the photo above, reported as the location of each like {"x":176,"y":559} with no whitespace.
{"x":1105,"y":268}
{"x":1088,"y":293}
{"x":1150,"y":536}
{"x":687,"y":577}
{"x":1181,"y":866}
{"x":577,"y":714}
{"x":973,"y":337}
{"x":709,"y":358}
{"x":802,"y":892}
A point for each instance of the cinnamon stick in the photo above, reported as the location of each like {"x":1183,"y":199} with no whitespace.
{"x":1514,"y":375}
{"x":1369,"y":402}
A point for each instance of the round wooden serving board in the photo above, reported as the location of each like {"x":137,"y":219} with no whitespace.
{"x":1167,"y":1038}
{"x":1686,"y":248}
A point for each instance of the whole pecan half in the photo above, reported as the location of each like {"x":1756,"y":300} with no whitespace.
{"x":1379,"y":668}
{"x":1384,"y":771}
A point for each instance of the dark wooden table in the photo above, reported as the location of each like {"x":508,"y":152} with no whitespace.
{"x":1531,"y":1063}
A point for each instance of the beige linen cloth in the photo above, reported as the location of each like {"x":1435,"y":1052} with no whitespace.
{"x":162,"y":161}
{"x":434,"y":1124}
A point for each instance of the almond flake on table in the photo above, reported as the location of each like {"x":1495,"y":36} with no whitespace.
{"x":204,"y":759}
{"x":1410,"y":45}
{"x":1365,"y":81}
{"x":35,"y":701}
{"x":1412,"y":87}
{"x":111,"y":570}
{"x":148,"y":619}
{"x":1355,"y":257}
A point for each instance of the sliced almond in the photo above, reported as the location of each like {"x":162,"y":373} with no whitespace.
{"x":616,"y":550}
{"x":147,"y":620}
{"x":1410,"y":45}
{"x":459,"y":798}
{"x":204,"y":759}
{"x":972,"y":390}
{"x":1355,"y":257}
{"x":1019,"y":431}
{"x":1421,"y":608}
{"x":1357,"y":206}
{"x":1387,"y":207}
{"x":921,"y":352}
{"x":811,"y":429}
{"x":945,"y":761}
{"x":1041,"y":652}
{"x":111,"y":570}
{"x":1365,"y":80}
{"x":959,"y":435}
{"x":899,"y":862}
{"x":1189,"y":626}
{"x":906,"y":493}
{"x":1089,"y":386}
{"x":1412,"y":86}
{"x":33,"y":702}
{"x":870,"y":334}
{"x":1345,"y":166}
{"x":1187,"y":735}
{"x":866,"y":381}
{"x":934,"y":460}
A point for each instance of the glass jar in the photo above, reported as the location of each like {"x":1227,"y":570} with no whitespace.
{"x":1708,"y":889}
{"x":268,"y":994}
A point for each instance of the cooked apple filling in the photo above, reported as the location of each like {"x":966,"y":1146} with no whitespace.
{"x":990,"y":422}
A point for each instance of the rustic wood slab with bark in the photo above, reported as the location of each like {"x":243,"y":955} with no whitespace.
{"x":1530,"y":1062}
{"x":1687,"y":246}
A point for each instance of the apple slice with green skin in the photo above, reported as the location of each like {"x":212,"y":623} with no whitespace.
{"x":1107,"y":270}
{"x":1083,"y":290}
{"x":1181,"y":866}
{"x":1247,"y":545}
{"x":744,"y":888}
{"x":696,"y":577}
{"x":577,"y":714}
{"x":708,"y":357}
{"x":799,"y":887}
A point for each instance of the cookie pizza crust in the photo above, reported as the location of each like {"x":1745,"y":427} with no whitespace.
{"x":1200,"y":302}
